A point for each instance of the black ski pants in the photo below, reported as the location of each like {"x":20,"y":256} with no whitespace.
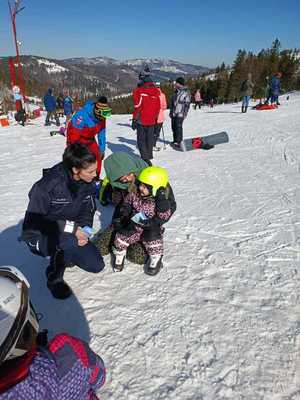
{"x":145,"y":141}
{"x":85,"y":257}
{"x":49,"y":115}
{"x":177,"y":129}
{"x":157,"y":130}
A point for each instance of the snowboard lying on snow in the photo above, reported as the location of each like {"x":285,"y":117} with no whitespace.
{"x":60,"y":131}
{"x":203,"y":142}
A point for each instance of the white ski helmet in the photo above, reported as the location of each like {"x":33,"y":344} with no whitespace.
{"x":18,"y":321}
{"x":16,"y":89}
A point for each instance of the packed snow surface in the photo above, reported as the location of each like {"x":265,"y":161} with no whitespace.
{"x":222,"y":319}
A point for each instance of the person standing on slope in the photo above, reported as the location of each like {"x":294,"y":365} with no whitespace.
{"x":146,"y":109}
{"x":50,"y":106}
{"x":198,"y":99}
{"x":61,"y":208}
{"x":68,"y":107}
{"x":30,"y":367}
{"x":89,"y":123}
{"x":247,"y":92}
{"x":60,"y":104}
{"x":275,"y":88}
{"x":179,"y":109}
{"x":161,"y":116}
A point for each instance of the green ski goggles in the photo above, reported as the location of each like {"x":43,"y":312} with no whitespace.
{"x":102,"y":111}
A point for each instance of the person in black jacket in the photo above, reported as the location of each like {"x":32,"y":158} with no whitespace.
{"x":60,"y":211}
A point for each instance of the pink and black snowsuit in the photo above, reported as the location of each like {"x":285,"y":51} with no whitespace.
{"x":158,"y":209}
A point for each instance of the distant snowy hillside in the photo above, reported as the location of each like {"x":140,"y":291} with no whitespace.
{"x":221,"y":320}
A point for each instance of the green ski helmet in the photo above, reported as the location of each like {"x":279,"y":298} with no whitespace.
{"x":155,"y":177}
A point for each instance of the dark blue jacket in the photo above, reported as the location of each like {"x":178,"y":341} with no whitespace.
{"x":275,"y":86}
{"x":49,"y":101}
{"x":68,"y":105}
{"x":53,"y":200}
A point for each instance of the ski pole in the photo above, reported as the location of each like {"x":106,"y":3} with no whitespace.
{"x":164,"y":140}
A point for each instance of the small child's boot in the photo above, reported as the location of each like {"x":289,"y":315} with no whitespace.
{"x":118,"y":259}
{"x":153,"y":264}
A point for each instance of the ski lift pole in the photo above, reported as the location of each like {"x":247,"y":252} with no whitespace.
{"x":13,"y":13}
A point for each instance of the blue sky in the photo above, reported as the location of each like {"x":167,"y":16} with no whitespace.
{"x":191,"y":31}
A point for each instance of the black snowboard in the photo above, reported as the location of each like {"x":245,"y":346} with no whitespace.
{"x":203,"y":142}
{"x":61,"y":132}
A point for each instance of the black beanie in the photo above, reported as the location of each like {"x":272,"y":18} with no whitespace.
{"x":102,"y":99}
{"x":145,"y":72}
{"x":180,"y":80}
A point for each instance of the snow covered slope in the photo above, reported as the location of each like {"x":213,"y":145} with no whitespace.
{"x":222,"y":319}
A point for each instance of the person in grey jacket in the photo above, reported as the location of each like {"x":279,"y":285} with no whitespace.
{"x":179,"y":109}
{"x":247,"y":92}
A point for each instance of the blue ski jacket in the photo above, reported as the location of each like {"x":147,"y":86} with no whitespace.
{"x":49,"y":101}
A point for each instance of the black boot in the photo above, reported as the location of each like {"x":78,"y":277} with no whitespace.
{"x":153,"y":265}
{"x":148,"y":162}
{"x":243,"y":109}
{"x":55,"y":272}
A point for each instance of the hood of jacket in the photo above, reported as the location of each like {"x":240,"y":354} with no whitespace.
{"x":119,"y":164}
{"x":89,"y":109}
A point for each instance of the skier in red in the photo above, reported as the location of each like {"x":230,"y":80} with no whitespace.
{"x":144,"y":118}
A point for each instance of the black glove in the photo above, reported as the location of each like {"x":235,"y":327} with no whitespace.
{"x":145,"y":223}
{"x":162,"y":203}
{"x":125,"y":210}
{"x":134,"y":124}
{"x":118,"y":224}
{"x":122,"y":216}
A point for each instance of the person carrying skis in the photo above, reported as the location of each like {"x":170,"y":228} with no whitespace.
{"x":246,"y":92}
{"x":144,"y":118}
{"x":60,"y":211}
{"x":50,"y":106}
{"x":179,"y":109}
{"x":161,"y":116}
{"x":32,"y":368}
{"x":87,"y":124}
{"x":142,"y":214}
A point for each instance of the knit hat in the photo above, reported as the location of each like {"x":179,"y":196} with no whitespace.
{"x":101,"y":108}
{"x":144,"y":73}
{"x":180,"y":80}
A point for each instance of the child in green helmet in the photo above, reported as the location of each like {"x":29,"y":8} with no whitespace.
{"x":142,"y":215}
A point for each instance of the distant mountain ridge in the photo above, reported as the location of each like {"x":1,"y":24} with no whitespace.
{"x":90,"y":76}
